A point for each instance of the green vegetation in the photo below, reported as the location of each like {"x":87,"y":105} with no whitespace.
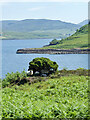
{"x":28,"y":25}
{"x":62,"y":33}
{"x":22,"y":78}
{"x":37,"y":28}
{"x":55,"y":41}
{"x":14,"y":78}
{"x":78,"y":40}
{"x":45,"y":64}
{"x":61,"y":95}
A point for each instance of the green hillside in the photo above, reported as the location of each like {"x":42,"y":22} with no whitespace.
{"x":37,"y":28}
{"x":85,"y":22}
{"x":57,"y":96}
{"x":78,"y":40}
{"x":28,"y":25}
{"x":62,"y":33}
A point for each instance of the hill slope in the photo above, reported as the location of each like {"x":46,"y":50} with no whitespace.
{"x":83,"y":23}
{"x":62,"y":97}
{"x":78,"y":40}
{"x":34,"y":24}
{"x":36,"y":28}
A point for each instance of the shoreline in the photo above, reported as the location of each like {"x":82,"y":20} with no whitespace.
{"x":27,"y":39}
{"x":52,"y":51}
{"x":30,"y":38}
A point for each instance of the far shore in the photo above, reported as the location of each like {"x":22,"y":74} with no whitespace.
{"x":28,"y":38}
{"x":52,"y":51}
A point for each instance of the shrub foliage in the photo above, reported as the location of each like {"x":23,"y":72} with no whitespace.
{"x":14,"y":78}
{"x":39,"y":64}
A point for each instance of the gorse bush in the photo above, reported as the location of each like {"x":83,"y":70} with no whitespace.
{"x":13,"y":78}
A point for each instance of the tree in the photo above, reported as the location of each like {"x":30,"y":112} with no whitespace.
{"x":39,"y":64}
{"x":54,"y":42}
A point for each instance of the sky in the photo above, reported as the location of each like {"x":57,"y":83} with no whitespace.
{"x":44,"y":0}
{"x":74,"y":12}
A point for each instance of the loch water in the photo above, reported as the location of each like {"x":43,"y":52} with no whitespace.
{"x":12,"y":62}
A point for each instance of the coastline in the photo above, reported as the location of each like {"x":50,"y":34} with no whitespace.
{"x":52,"y":51}
{"x":28,"y":39}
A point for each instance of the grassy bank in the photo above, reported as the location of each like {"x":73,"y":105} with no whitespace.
{"x":61,"y":95}
{"x":78,"y":40}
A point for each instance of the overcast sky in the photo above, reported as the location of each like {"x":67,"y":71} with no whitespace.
{"x":73,"y":12}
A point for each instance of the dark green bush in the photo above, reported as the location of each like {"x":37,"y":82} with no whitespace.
{"x":12,"y":78}
{"x":53,"y":42}
{"x":39,"y":64}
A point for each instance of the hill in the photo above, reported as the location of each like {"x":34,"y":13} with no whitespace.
{"x":28,"y":25}
{"x":36,"y":28}
{"x":83,"y":23}
{"x":78,"y":40}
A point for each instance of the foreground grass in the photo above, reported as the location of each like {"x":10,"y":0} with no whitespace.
{"x":63,"y":97}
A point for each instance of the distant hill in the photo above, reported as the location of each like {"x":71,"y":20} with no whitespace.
{"x":83,"y":23}
{"x":78,"y":40}
{"x":37,"y":28}
{"x":35,"y":24}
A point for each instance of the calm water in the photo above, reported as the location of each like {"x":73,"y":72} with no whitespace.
{"x":12,"y":62}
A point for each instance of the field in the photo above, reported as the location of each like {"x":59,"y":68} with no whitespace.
{"x":64,"y":96}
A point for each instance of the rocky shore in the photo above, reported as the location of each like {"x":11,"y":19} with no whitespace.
{"x":52,"y":51}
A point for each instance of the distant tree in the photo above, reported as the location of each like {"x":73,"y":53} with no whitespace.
{"x":39,"y":64}
{"x":54,"y":42}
